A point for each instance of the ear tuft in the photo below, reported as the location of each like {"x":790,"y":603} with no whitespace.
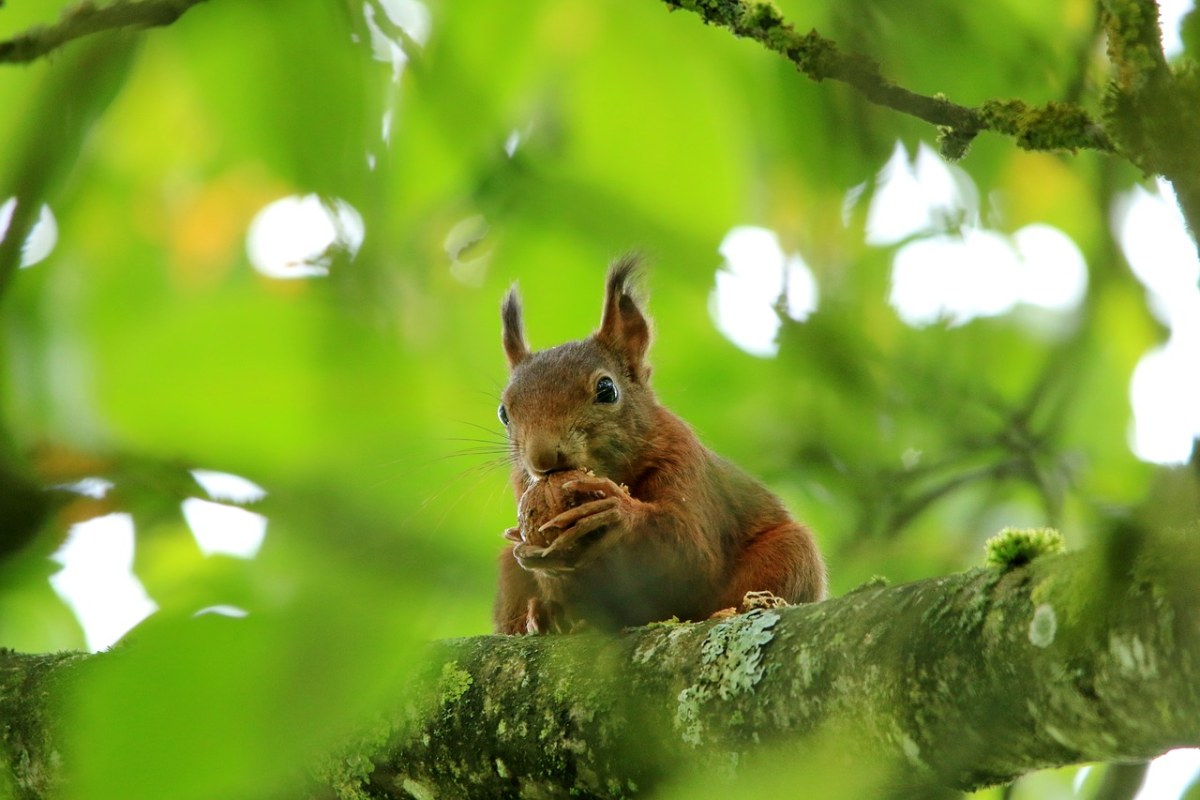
{"x":623,"y":327}
{"x":623,"y":274}
{"x":515,"y":347}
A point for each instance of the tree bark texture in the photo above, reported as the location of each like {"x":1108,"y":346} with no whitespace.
{"x":958,"y":681}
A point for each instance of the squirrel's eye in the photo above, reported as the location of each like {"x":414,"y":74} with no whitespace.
{"x":502,"y":412}
{"x":606,"y":390}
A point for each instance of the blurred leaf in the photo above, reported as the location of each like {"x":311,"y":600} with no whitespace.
{"x":74,"y":93}
{"x":305,"y":111}
{"x":32,"y":617}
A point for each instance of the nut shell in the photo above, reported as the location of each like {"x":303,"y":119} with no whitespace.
{"x":542,"y":502}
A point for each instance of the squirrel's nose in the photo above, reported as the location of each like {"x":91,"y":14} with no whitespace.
{"x":545,"y":457}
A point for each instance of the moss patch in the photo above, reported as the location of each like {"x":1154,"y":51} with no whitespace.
{"x":1015,"y":547}
{"x":454,"y":682}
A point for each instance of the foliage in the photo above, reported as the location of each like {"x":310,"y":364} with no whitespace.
{"x":482,"y":143}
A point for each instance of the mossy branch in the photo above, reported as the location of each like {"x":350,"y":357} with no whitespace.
{"x":1134,"y":42}
{"x":1152,"y":113}
{"x":959,"y":681}
{"x":85,"y":19}
{"x":1054,"y":126}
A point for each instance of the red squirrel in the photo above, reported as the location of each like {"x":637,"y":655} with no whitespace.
{"x":661,"y":526}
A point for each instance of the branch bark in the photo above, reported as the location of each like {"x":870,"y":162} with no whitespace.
{"x":86,"y":19}
{"x":960,"y":681}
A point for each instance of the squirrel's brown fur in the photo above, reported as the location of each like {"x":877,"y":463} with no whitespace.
{"x":678,"y":531}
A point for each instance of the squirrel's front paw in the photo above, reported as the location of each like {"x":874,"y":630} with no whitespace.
{"x":532,"y":557}
{"x":581,"y":520}
{"x":596,"y":503}
{"x":594,"y":509}
{"x":595,"y":487}
{"x":580,"y":532}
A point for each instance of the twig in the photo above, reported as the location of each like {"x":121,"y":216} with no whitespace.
{"x":85,"y":19}
{"x":1054,"y":126}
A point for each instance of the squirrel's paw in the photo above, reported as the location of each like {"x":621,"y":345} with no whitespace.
{"x":599,"y":503}
{"x":596,"y":487}
{"x":532,"y":557}
{"x":582,"y":532}
{"x":597,"y":508}
{"x":584,"y":518}
{"x":753,"y":600}
{"x":546,"y":616}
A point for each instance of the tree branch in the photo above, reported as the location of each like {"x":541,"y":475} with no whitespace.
{"x":960,"y":681}
{"x":1154,"y":112}
{"x":86,"y":19}
{"x":1054,"y":126}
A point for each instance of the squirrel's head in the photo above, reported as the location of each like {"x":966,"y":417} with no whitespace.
{"x":585,"y":404}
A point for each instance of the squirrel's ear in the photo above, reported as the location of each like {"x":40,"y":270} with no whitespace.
{"x":624,"y":328}
{"x":514,"y":331}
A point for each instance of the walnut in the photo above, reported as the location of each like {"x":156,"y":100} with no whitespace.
{"x":542,"y":502}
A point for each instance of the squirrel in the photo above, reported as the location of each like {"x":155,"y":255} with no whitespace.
{"x":662,"y":527}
